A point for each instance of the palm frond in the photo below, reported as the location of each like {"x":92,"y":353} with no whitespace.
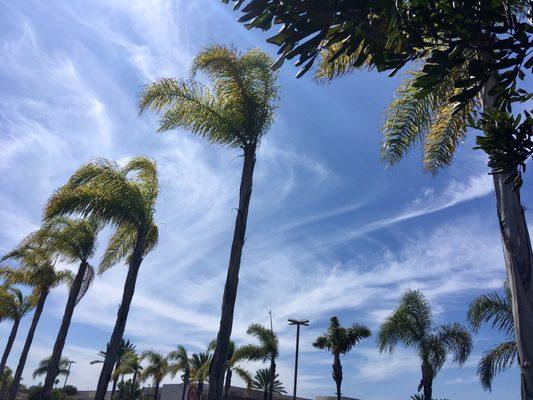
{"x":493,"y":308}
{"x":244,"y":375}
{"x":457,"y":340}
{"x":496,"y":360}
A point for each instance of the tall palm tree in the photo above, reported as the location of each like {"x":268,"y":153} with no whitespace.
{"x":126,"y":346}
{"x":200,"y":364}
{"x":232,"y":365}
{"x":266,"y":350}
{"x":237,"y":112}
{"x":14,"y":306}
{"x":340,"y":340}
{"x":497,"y":310}
{"x":157,"y":369}
{"x":182,"y":362}
{"x":37,"y":271}
{"x":261,"y":381}
{"x":412,"y":324}
{"x":73,"y":240}
{"x":124,"y":197}
{"x":44,"y":368}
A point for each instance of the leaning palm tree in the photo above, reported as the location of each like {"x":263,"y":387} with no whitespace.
{"x":261,"y":381}
{"x":124,"y":197}
{"x":232,"y":365}
{"x":236,"y":112}
{"x":14,"y":306}
{"x":340,"y":340}
{"x":412,"y":324}
{"x":157,"y":369}
{"x":37,"y":271}
{"x":181,"y":362}
{"x":267,"y":350}
{"x":44,"y":368}
{"x":200,"y":364}
{"x":72,"y":240}
{"x":497,"y":310}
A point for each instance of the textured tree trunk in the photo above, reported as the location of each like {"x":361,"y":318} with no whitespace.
{"x":272,"y":379}
{"x":518,"y":258}
{"x":218,"y":364}
{"x":133,"y":382}
{"x":114,"y":386}
{"x":200,"y":389}
{"x":337,"y":374}
{"x":53,"y":367}
{"x":9,"y":346}
{"x":185,"y":383}
{"x":122,"y":316}
{"x":227,"y":383}
{"x":25,"y":350}
{"x":427,"y":381}
{"x":156,"y":391}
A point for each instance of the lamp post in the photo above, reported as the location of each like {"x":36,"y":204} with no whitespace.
{"x":304,"y":322}
{"x":68,"y":372}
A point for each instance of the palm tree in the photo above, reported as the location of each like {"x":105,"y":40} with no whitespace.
{"x":73,"y":240}
{"x":266,"y":350}
{"x":412,"y":324}
{"x":130,"y":363}
{"x":14,"y":306}
{"x":6,"y":377}
{"x":497,"y":310}
{"x":261,"y":381}
{"x":236,"y":112}
{"x":44,"y":368}
{"x":126,"y":346}
{"x":157,"y":369}
{"x":124,"y":197}
{"x":232,"y":365}
{"x":340,"y":340}
{"x":200,"y":364}
{"x":37,"y":271}
{"x":182,"y":363}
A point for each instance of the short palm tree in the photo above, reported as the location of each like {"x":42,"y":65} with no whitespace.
{"x":181,"y":362}
{"x":340,"y":340}
{"x":267,"y":350}
{"x":497,"y":310}
{"x":236,"y":112}
{"x":14,"y":306}
{"x":232,"y":365}
{"x":157,"y":369}
{"x":72,"y":240}
{"x":124,"y":197}
{"x":44,"y":367}
{"x":37,"y":271}
{"x":412,"y":324}
{"x":261,"y":381}
{"x":130,"y":363}
{"x":199,"y":364}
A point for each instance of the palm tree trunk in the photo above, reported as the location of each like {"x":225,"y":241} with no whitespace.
{"x":113,"y":387}
{"x":55,"y":359}
{"x":200,"y":389}
{"x":133,"y":382}
{"x":9,"y":346}
{"x":518,"y":258}
{"x":218,"y":364}
{"x":185,"y":383}
{"x":122,"y":316}
{"x":337,"y":374}
{"x":25,"y":350}
{"x":156,"y":391}
{"x":272,"y":379}
{"x":227,"y":383}
{"x":427,"y":381}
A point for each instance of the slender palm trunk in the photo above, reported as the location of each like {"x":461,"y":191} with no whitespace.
{"x":114,"y":386}
{"x":185,"y":383}
{"x":272,"y":379}
{"x":518,"y":258}
{"x":200,"y":389}
{"x":337,"y":374}
{"x":9,"y":346}
{"x":55,"y":359}
{"x":156,"y":391}
{"x":427,"y":381}
{"x":133,"y":382}
{"x":227,"y":383}
{"x":25,"y":350}
{"x":122,"y":316}
{"x":218,"y":364}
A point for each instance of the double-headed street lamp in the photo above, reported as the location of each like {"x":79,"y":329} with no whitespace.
{"x":304,"y":322}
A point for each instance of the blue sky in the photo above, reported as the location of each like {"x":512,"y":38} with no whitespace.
{"x":331,"y":230}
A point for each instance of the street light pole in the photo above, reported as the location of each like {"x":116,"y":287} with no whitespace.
{"x":68,"y":372}
{"x":303,"y":322}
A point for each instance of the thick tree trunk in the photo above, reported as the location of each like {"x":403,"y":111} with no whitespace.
{"x":55,"y":359}
{"x":25,"y":350}
{"x":185,"y":383}
{"x":272,"y":379}
{"x":113,"y":349}
{"x":218,"y":364}
{"x":227,"y":383}
{"x":427,"y":381}
{"x":9,"y":346}
{"x":337,"y":374}
{"x":518,"y":258}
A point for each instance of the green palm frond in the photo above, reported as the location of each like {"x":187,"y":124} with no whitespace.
{"x":119,"y":247}
{"x":493,"y":308}
{"x":261,"y":381}
{"x":14,"y":305}
{"x":333,"y":66}
{"x":158,"y":366}
{"x":339,"y":339}
{"x":42,"y":368}
{"x":496,"y":360}
{"x":244,"y":375}
{"x":267,"y":347}
{"x":456,"y":340}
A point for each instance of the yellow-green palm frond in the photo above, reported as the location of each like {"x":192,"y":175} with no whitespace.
{"x":333,"y":66}
{"x":119,"y":247}
{"x":144,"y":171}
{"x":245,"y":375}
